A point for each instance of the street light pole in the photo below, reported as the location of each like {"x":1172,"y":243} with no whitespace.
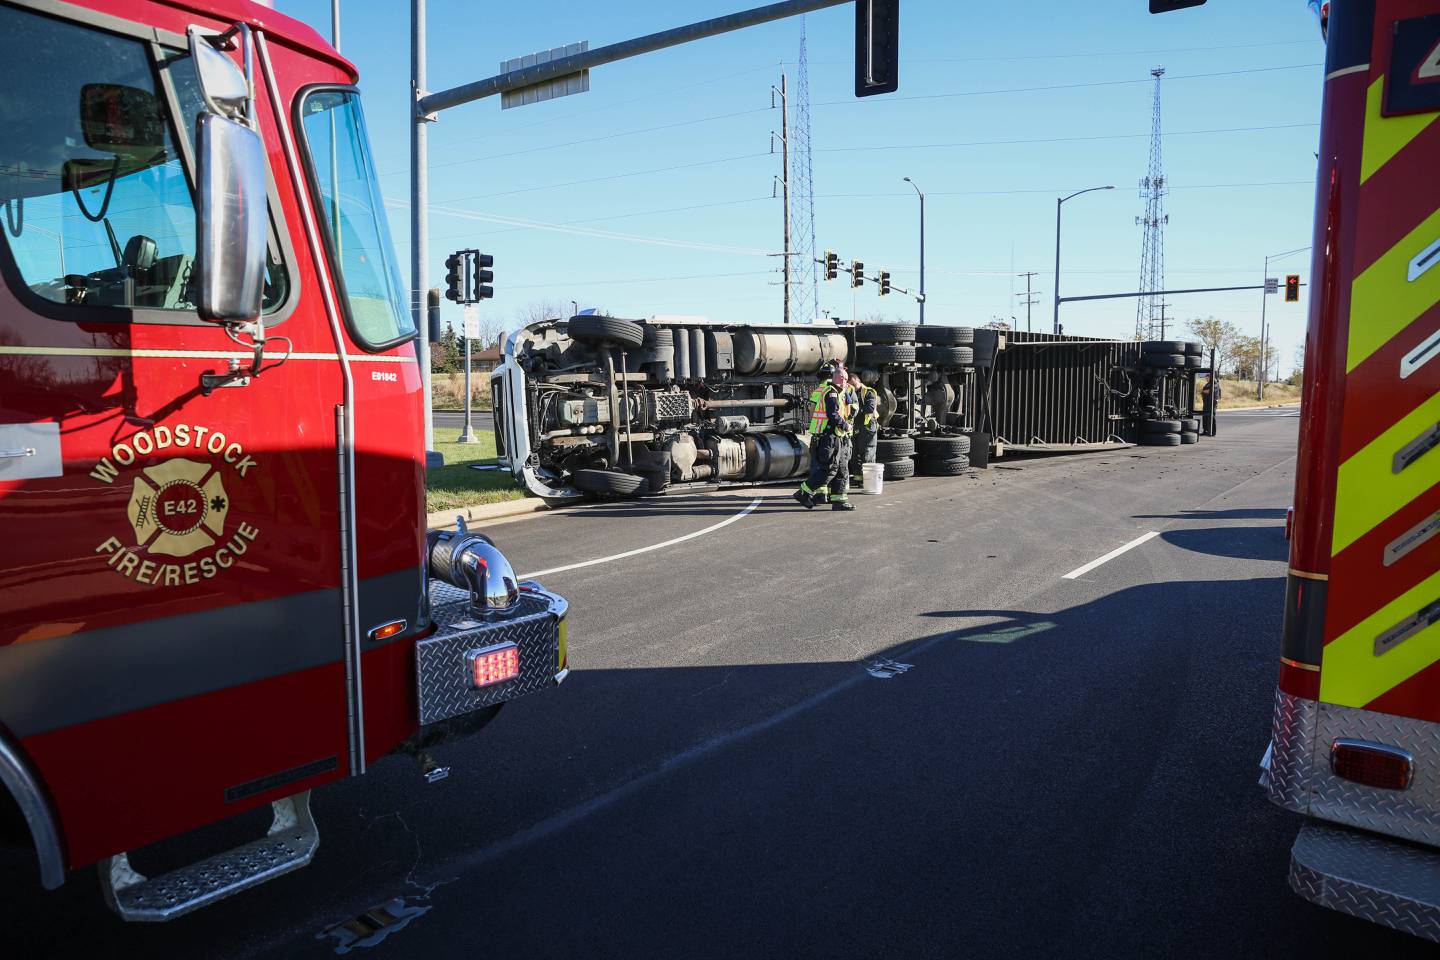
{"x":922,"y":248}
{"x":574,"y":308}
{"x":1264,"y":329}
{"x":1055,"y":320}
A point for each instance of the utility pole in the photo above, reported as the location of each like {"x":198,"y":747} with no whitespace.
{"x":1031,"y":298}
{"x":785,"y":184}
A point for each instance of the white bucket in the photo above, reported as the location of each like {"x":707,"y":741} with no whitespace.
{"x":874,"y":478}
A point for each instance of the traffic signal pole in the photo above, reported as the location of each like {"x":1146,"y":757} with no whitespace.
{"x":420,"y":215}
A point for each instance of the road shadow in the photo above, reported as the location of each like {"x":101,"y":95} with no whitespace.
{"x":1240,"y":543}
{"x":1241,"y":513}
{"x":996,"y":768}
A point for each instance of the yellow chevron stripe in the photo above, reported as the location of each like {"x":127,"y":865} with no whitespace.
{"x":1386,"y":136}
{"x":1353,"y":675}
{"x":1383,"y":302}
{"x":1368,"y":489}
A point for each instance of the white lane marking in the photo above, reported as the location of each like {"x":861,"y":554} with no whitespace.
{"x":639,"y":550}
{"x":1081,"y":571}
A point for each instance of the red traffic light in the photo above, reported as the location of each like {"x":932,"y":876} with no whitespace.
{"x":1292,"y":287}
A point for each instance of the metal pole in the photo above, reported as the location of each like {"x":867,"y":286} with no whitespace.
{"x":922,"y":259}
{"x":921,"y":194}
{"x":785,"y":184}
{"x":419,"y":208}
{"x":1055,"y":322}
{"x":575,"y":307}
{"x":335,"y":24}
{"x":528,"y":76}
{"x":1264,"y":299}
{"x":467,"y":435}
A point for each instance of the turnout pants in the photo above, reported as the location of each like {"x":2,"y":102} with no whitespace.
{"x":864,"y":450}
{"x":829,"y":457}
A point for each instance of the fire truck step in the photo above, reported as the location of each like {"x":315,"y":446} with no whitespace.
{"x":1366,"y":875}
{"x":289,"y":845}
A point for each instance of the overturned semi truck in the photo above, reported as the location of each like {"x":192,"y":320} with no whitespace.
{"x":599,"y":405}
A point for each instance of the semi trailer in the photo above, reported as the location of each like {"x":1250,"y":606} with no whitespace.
{"x":599,"y":405}
{"x":217,"y":592}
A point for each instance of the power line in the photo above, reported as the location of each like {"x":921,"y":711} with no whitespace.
{"x":1071,"y":86}
{"x":1094,"y":54}
{"x":1109,"y":136}
{"x":567,"y":283}
{"x":616,"y":176}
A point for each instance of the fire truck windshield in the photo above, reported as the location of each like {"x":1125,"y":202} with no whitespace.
{"x":96,"y":208}
{"x":353,"y":213}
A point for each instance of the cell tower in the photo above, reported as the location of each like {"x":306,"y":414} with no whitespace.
{"x":807,"y":272}
{"x":1148,"y":310}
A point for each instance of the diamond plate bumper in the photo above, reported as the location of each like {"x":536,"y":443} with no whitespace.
{"x":442,"y":674}
{"x":1299,"y":777}
{"x":1368,"y":876}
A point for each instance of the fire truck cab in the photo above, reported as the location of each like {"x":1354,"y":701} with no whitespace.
{"x":217,"y":591}
{"x":1355,"y":745}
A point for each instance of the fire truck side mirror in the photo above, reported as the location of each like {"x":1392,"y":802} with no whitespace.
{"x":231,"y":220}
{"x":231,"y":209}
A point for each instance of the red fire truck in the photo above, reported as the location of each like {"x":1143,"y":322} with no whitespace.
{"x":1356,"y":737}
{"x":216,"y":589}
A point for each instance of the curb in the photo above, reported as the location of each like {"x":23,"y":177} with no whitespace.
{"x":484,"y":512}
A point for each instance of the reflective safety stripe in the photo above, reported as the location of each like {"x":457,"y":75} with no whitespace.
{"x":1386,"y":136}
{"x":1383,"y":302}
{"x":1385,"y":649}
{"x":1389,"y":472}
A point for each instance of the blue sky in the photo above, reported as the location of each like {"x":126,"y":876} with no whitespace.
{"x":676,"y":220}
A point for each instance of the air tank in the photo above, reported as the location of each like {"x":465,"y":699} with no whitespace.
{"x":697,"y":353}
{"x":799,"y":351}
{"x":681,"y":340}
{"x":774,"y":456}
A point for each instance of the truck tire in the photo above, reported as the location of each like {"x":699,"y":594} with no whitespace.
{"x":945,"y":356}
{"x":608,"y":481}
{"x":1160,"y":426}
{"x":884,"y":354}
{"x":949,"y":467}
{"x":1192,"y":362}
{"x":942,"y":448}
{"x":1194,"y":349}
{"x":945,"y":336}
{"x":1163,"y":346}
{"x":885,"y":332}
{"x":1190,"y":425}
{"x":1165,"y":359}
{"x":894,"y":448}
{"x":607,"y":330}
{"x":1189,"y":438}
{"x":1160,"y":439}
{"x":899,"y":469}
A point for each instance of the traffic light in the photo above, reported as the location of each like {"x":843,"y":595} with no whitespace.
{"x":483,"y":276}
{"x":1166,"y":6}
{"x":832,"y":265}
{"x":857,"y":273}
{"x":884,"y":282}
{"x":1292,"y":287}
{"x":454,"y":279}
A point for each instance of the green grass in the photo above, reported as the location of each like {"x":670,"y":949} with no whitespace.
{"x":455,"y":485}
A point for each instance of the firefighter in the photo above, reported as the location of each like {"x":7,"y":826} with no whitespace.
{"x":866,"y":404}
{"x":830,"y":429}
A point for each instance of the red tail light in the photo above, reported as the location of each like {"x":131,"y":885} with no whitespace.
{"x":1371,"y":764}
{"x":494,"y":665}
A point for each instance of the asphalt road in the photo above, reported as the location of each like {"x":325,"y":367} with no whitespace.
{"x":894,"y":733}
{"x":455,"y":420}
